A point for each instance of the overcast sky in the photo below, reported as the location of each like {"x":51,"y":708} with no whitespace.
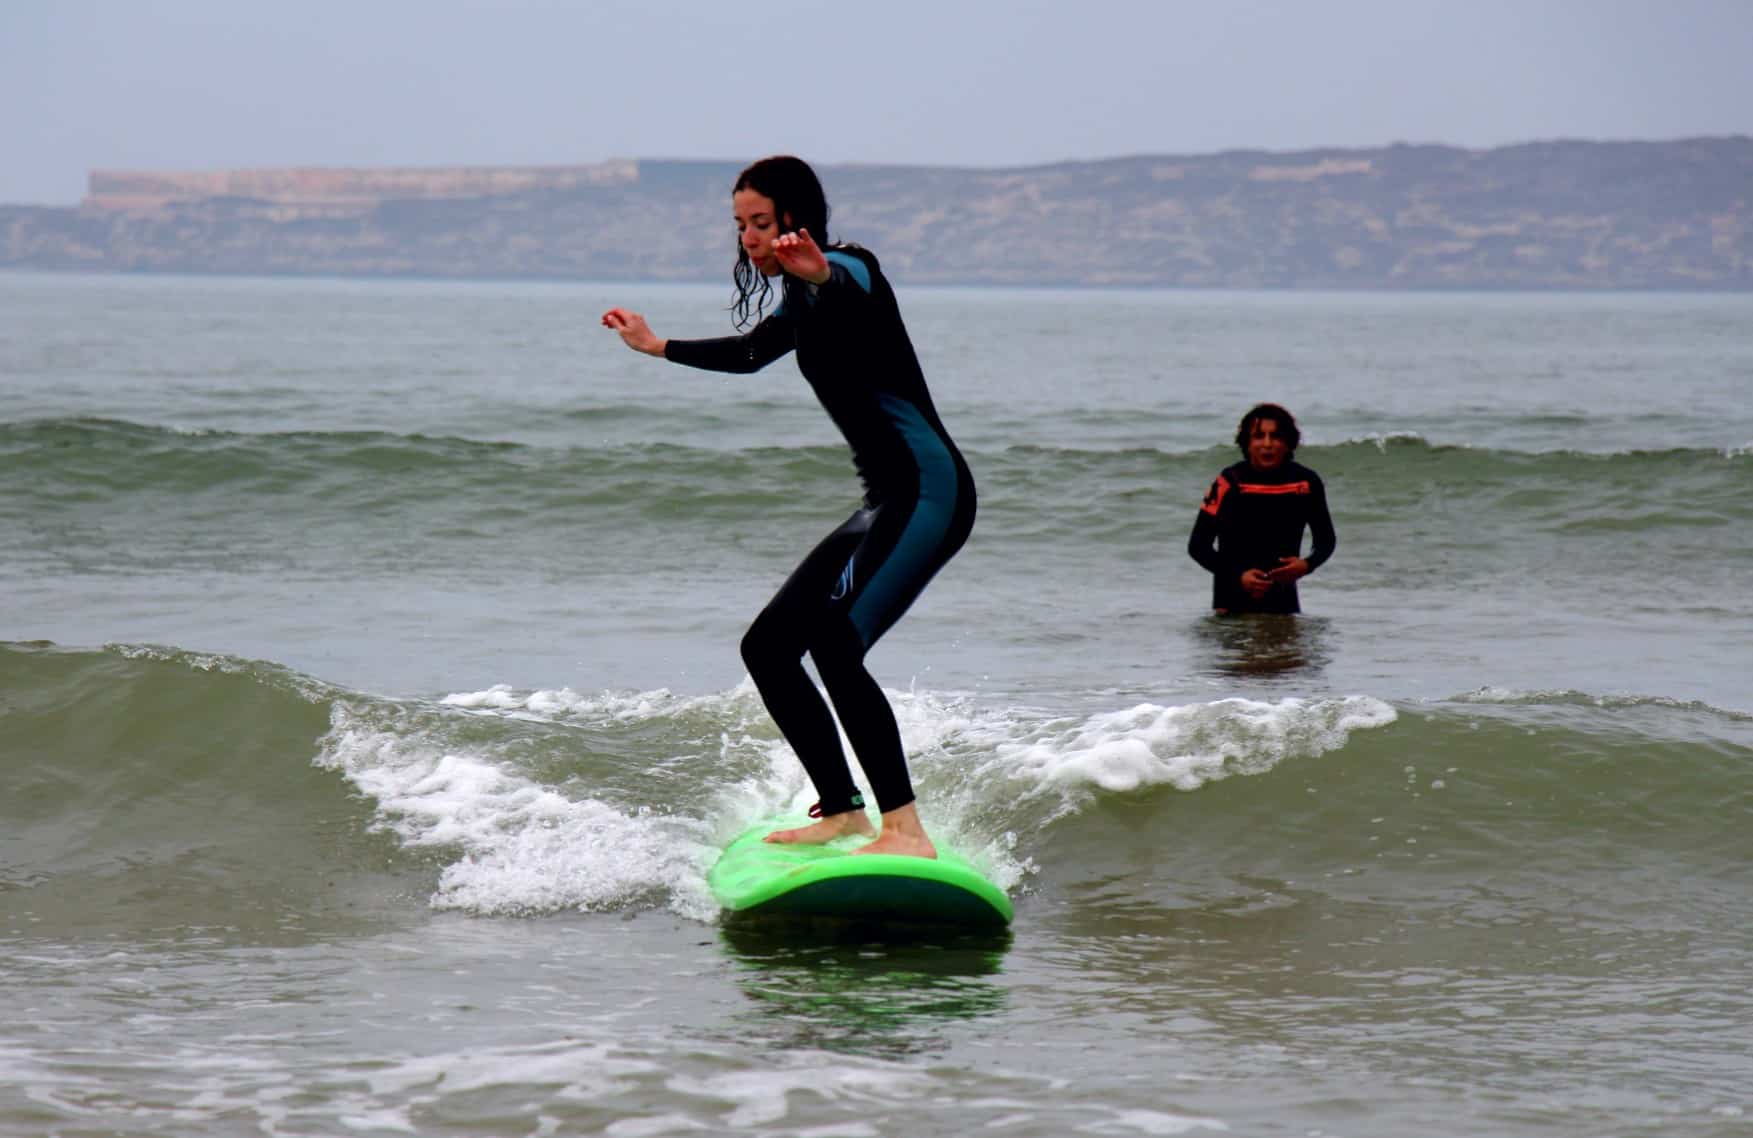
{"x":198,"y":84}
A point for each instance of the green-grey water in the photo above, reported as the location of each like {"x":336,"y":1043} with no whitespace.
{"x":370,"y":712}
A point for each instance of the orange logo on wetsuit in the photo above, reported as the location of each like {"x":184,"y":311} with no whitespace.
{"x":1282,"y":488}
{"x":1214,"y":496}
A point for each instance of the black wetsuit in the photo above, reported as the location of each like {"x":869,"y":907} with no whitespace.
{"x":1249,"y":520}
{"x":918,"y":510}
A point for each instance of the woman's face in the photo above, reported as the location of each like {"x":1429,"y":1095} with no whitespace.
{"x":1266,"y":449}
{"x":757,"y":226}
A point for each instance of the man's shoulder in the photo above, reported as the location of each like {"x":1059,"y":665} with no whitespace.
{"x":1225,"y":481}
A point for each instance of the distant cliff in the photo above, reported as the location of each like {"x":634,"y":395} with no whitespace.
{"x":1576,"y":215}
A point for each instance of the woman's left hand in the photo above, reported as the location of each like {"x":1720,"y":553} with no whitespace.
{"x":799,"y":255}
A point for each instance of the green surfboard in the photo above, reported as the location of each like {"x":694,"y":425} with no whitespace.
{"x":760,"y":878}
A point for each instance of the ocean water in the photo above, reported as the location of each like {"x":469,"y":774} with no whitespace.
{"x":370,"y":712}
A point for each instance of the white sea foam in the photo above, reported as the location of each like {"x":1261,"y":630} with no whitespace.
{"x":1385,"y":439}
{"x":564,"y":703}
{"x":1572,"y":697}
{"x":1186,"y":746}
{"x":762,"y":1097}
{"x":1153,"y":1122}
{"x":983,"y":776}
{"x":524,"y":847}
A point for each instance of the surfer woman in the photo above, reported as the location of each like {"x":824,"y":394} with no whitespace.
{"x":839,"y":313}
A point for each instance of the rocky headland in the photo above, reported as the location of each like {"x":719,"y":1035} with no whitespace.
{"x":1547,"y":215}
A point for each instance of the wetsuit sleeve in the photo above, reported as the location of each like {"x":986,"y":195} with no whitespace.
{"x":1326,"y":540}
{"x":847,"y":291}
{"x":847,"y":274}
{"x":1202,"y":544}
{"x":752,"y":351}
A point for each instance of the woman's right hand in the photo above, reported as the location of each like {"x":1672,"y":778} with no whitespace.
{"x":634,"y":331}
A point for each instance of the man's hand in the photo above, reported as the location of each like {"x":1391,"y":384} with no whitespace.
{"x":1289,"y":569}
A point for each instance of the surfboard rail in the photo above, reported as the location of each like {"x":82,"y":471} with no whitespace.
{"x":757,"y":877}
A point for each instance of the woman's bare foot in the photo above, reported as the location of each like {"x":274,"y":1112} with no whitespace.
{"x":829,"y":828}
{"x":902,"y":834}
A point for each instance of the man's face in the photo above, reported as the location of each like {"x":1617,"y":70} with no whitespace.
{"x":1266,"y":449}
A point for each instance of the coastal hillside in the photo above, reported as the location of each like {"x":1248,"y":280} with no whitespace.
{"x":1546,"y":215}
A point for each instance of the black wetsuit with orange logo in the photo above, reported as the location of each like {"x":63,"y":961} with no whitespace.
{"x":1250,"y":519}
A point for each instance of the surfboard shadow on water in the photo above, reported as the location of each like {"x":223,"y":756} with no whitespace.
{"x":863,"y":986}
{"x":760,"y":936}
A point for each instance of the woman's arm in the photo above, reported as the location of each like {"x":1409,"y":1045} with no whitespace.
{"x":754,"y":350}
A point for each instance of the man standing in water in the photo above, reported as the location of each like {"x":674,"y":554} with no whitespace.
{"x":1249,"y":530}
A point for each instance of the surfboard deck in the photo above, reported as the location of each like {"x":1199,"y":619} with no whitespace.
{"x":760,"y":878}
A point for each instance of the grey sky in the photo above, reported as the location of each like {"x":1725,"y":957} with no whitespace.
{"x":194,"y":84}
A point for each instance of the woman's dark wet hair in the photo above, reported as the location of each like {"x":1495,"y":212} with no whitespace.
{"x":798,"y":201}
{"x":1287,"y":428}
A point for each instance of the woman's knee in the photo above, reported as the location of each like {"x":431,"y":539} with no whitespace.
{"x":837,"y":650}
{"x":768,"y":644}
